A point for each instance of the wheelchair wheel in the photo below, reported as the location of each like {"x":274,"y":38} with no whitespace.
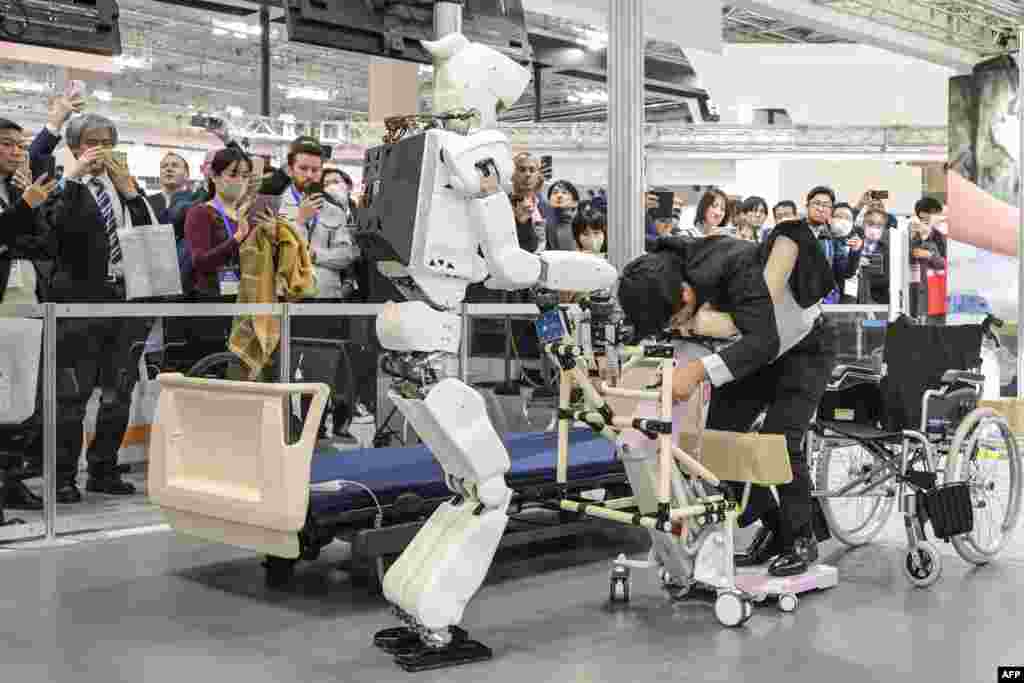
{"x":923,"y":565}
{"x":853,"y":520}
{"x":222,"y":365}
{"x":986,"y":457}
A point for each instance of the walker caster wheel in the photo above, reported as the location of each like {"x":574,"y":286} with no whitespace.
{"x":922,"y":565}
{"x":788,"y":602}
{"x":732,"y":610}
{"x":619,"y":590}
{"x":279,"y":571}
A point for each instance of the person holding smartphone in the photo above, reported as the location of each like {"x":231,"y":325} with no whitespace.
{"x":303,"y":200}
{"x":216,"y":229}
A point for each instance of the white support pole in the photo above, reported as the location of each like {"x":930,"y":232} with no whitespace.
{"x":626,"y":131}
{"x":1020,"y":228}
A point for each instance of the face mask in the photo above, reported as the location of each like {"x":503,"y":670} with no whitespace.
{"x":842,"y":227}
{"x":336,"y":195}
{"x":231,"y":191}
{"x":873,"y":234}
{"x":592,"y":244}
{"x":565,"y":215}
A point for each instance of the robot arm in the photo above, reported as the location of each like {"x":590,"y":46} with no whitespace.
{"x":481,"y":170}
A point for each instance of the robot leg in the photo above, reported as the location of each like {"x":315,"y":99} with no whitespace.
{"x":445,"y":565}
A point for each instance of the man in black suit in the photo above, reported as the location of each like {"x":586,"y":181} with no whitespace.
{"x":99,"y":197}
{"x":19,"y":232}
{"x":174,"y":172}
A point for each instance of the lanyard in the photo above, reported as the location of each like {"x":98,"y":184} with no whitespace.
{"x":231,"y":225}
{"x":298,"y":202}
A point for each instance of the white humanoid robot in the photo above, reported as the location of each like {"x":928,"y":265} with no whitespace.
{"x":438,"y":218}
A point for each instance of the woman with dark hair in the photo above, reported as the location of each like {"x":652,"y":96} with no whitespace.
{"x":752,"y":212}
{"x":591,"y":230}
{"x":712,"y":213}
{"x":217,"y":228}
{"x":331,"y":245}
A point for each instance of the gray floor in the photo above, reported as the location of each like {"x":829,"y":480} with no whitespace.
{"x":157,"y":607}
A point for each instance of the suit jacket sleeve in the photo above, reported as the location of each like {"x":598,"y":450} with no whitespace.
{"x":17,"y":222}
{"x":40,"y":152}
{"x":754,"y":315}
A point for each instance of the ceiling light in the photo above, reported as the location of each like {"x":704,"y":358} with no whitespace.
{"x":589,"y":97}
{"x":239,"y":29}
{"x":103,"y":95}
{"x":286,"y":118}
{"x":129,"y":62}
{"x":24,"y":86}
{"x":594,"y":40}
{"x":313,"y":94}
{"x":235,"y":112}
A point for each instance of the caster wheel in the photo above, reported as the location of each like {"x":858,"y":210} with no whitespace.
{"x":748,"y":611}
{"x":620,"y":590}
{"x":732,"y":610}
{"x":788,"y":602}
{"x":923,"y":565}
{"x":279,"y":571}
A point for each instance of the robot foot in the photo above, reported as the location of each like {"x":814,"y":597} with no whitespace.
{"x":403,"y":640}
{"x":461,"y":650}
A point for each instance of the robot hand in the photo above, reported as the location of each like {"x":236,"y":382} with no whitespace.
{"x":479,"y":164}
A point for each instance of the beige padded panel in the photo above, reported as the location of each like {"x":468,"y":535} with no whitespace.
{"x":731,"y":456}
{"x":219,"y":464}
{"x":1010,"y":408}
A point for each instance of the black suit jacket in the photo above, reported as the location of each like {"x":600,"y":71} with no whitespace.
{"x":76,"y":239}
{"x":20,"y":237}
{"x":159,"y":203}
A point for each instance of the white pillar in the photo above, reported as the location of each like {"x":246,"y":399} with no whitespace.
{"x":626,"y":131}
{"x":1020,"y":228}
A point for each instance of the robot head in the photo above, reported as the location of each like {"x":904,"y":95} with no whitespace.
{"x":474,"y":76}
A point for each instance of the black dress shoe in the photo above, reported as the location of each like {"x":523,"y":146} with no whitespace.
{"x":68,"y":494}
{"x":20,"y":497}
{"x":796,"y":561}
{"x":764,"y":547}
{"x":111,"y":485}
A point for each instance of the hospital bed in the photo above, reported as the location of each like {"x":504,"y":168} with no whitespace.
{"x":230,"y":476}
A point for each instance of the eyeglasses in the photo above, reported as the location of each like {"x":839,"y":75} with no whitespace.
{"x":820,"y":205}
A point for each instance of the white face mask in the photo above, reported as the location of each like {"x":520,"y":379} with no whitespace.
{"x":338,"y":193}
{"x":592,"y":244}
{"x":842,"y":227}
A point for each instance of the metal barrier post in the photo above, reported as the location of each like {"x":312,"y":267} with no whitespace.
{"x":50,"y":420}
{"x":464,"y":345}
{"x":285,"y":355}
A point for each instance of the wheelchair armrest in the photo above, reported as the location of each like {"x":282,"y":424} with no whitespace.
{"x":965,"y":376}
{"x":846,"y":374}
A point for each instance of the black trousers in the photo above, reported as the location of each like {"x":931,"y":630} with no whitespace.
{"x":104,"y":353}
{"x":789,"y":390}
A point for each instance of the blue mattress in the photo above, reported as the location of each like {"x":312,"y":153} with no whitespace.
{"x":390,"y":472}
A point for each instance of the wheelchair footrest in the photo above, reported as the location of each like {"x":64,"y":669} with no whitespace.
{"x":950,"y":509}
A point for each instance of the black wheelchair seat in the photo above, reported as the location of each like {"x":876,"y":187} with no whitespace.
{"x":857,"y":431}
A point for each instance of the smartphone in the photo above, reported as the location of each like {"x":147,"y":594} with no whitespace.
{"x":664,"y":208}
{"x":261,"y":204}
{"x":119,"y":156}
{"x":58,"y":173}
{"x":880,"y":194}
{"x":314,"y":188}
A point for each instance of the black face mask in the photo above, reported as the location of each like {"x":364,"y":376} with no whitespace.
{"x":565,"y":215}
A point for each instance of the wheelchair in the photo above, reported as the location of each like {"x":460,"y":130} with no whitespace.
{"x":913,"y":435}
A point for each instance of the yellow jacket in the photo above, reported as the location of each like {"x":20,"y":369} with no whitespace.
{"x":274,"y":267}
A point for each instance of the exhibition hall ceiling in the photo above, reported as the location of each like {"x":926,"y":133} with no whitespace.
{"x":178,"y":57}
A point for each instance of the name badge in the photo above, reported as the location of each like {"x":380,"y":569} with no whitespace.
{"x":229,"y":279}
